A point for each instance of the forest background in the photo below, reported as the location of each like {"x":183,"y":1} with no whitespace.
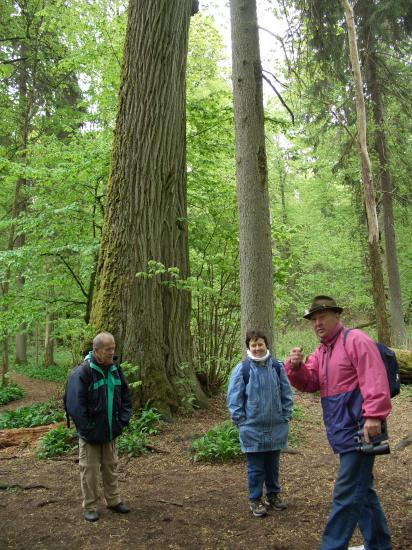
{"x":60,"y":67}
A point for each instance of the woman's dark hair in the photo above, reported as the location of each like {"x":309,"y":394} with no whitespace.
{"x":254,"y":335}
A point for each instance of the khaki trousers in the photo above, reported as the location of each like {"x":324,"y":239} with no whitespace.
{"x":95,"y":459}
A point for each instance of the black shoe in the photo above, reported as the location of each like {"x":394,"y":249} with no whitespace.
{"x":91,"y":515}
{"x":275,"y":502}
{"x":120,"y":508}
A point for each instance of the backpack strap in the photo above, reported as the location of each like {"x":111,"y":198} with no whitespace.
{"x":345,"y":336}
{"x":87,"y":368}
{"x":246,"y":369}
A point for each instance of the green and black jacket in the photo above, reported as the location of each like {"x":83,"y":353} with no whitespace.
{"x":98,"y":399}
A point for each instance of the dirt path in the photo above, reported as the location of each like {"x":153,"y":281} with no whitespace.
{"x":35,"y":390}
{"x":178,"y":504}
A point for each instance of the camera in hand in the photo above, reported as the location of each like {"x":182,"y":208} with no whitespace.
{"x":378,"y":445}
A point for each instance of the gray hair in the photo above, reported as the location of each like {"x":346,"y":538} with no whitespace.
{"x":99,"y":339}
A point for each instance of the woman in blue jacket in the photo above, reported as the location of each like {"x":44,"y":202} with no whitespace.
{"x":260,"y":401}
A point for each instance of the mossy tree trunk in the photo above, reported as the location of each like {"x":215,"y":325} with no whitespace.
{"x":146,"y":213}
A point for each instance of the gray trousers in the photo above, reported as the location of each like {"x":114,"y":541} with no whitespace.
{"x":96,"y":459}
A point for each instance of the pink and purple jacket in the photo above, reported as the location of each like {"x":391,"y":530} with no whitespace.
{"x":352,"y":381}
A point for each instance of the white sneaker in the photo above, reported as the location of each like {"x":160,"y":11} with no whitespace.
{"x":356,"y":547}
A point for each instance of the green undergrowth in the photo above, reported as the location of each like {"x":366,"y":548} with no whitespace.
{"x":10,"y":393}
{"x":56,"y":442}
{"x":221,"y":443}
{"x":406,"y":390}
{"x":55,"y":373}
{"x":35,"y":415}
{"x":134,"y":439}
{"x":132,"y":442}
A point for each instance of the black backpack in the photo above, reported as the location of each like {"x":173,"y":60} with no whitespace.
{"x":84,"y":365}
{"x":390,"y":362}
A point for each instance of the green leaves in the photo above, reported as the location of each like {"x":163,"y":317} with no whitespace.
{"x":10,"y":393}
{"x":219,"y":443}
{"x":56,"y":442}
{"x":36,"y":415}
{"x":133,"y":440}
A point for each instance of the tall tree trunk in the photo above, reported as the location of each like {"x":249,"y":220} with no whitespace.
{"x":286,"y":251}
{"x":146,"y":212}
{"x":368,"y":190}
{"x":49,"y":341}
{"x":21,"y":337}
{"x":381,"y":146}
{"x":256,"y":271}
{"x":5,"y":360}
{"x":20,"y":202}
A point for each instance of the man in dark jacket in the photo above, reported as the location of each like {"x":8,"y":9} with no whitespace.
{"x":98,"y":399}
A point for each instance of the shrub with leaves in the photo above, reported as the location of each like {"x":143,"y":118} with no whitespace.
{"x":60,"y":440}
{"x":36,"y":415}
{"x":219,"y":443}
{"x":133,"y":440}
{"x":222,"y":441}
{"x":406,"y":391}
{"x":10,"y":393}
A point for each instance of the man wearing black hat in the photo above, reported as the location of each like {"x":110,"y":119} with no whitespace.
{"x":348,"y":370}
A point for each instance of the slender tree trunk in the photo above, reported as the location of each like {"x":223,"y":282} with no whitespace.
{"x":21,"y":337}
{"x":146,"y":213}
{"x":286,"y":251}
{"x":381,"y":146}
{"x":20,"y":203}
{"x":49,"y":341}
{"x":369,"y":195}
{"x":5,"y":360}
{"x":256,"y":271}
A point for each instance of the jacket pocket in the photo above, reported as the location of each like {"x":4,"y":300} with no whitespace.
{"x":252,"y":409}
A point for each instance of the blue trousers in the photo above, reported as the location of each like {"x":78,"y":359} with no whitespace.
{"x":262,"y":468}
{"x":355,"y":502}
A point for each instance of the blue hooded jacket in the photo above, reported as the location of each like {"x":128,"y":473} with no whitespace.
{"x":263,"y":408}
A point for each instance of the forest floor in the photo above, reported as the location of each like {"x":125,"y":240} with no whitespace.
{"x":178,"y":504}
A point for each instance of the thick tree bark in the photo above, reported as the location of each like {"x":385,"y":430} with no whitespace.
{"x":381,"y":146}
{"x":378,"y":287}
{"x":256,"y":271}
{"x":146,"y":213}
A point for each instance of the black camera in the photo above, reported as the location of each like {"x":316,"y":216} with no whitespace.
{"x":378,"y":445}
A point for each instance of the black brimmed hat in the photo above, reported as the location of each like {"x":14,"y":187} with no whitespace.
{"x":322,"y":303}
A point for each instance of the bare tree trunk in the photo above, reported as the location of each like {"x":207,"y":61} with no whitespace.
{"x":17,"y":241}
{"x":292,"y":316}
{"x":368,"y":190}
{"x":256,"y":271}
{"x":5,"y":360}
{"x":381,"y":146}
{"x":146,"y":212}
{"x":49,"y":341}
{"x":21,"y":337}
